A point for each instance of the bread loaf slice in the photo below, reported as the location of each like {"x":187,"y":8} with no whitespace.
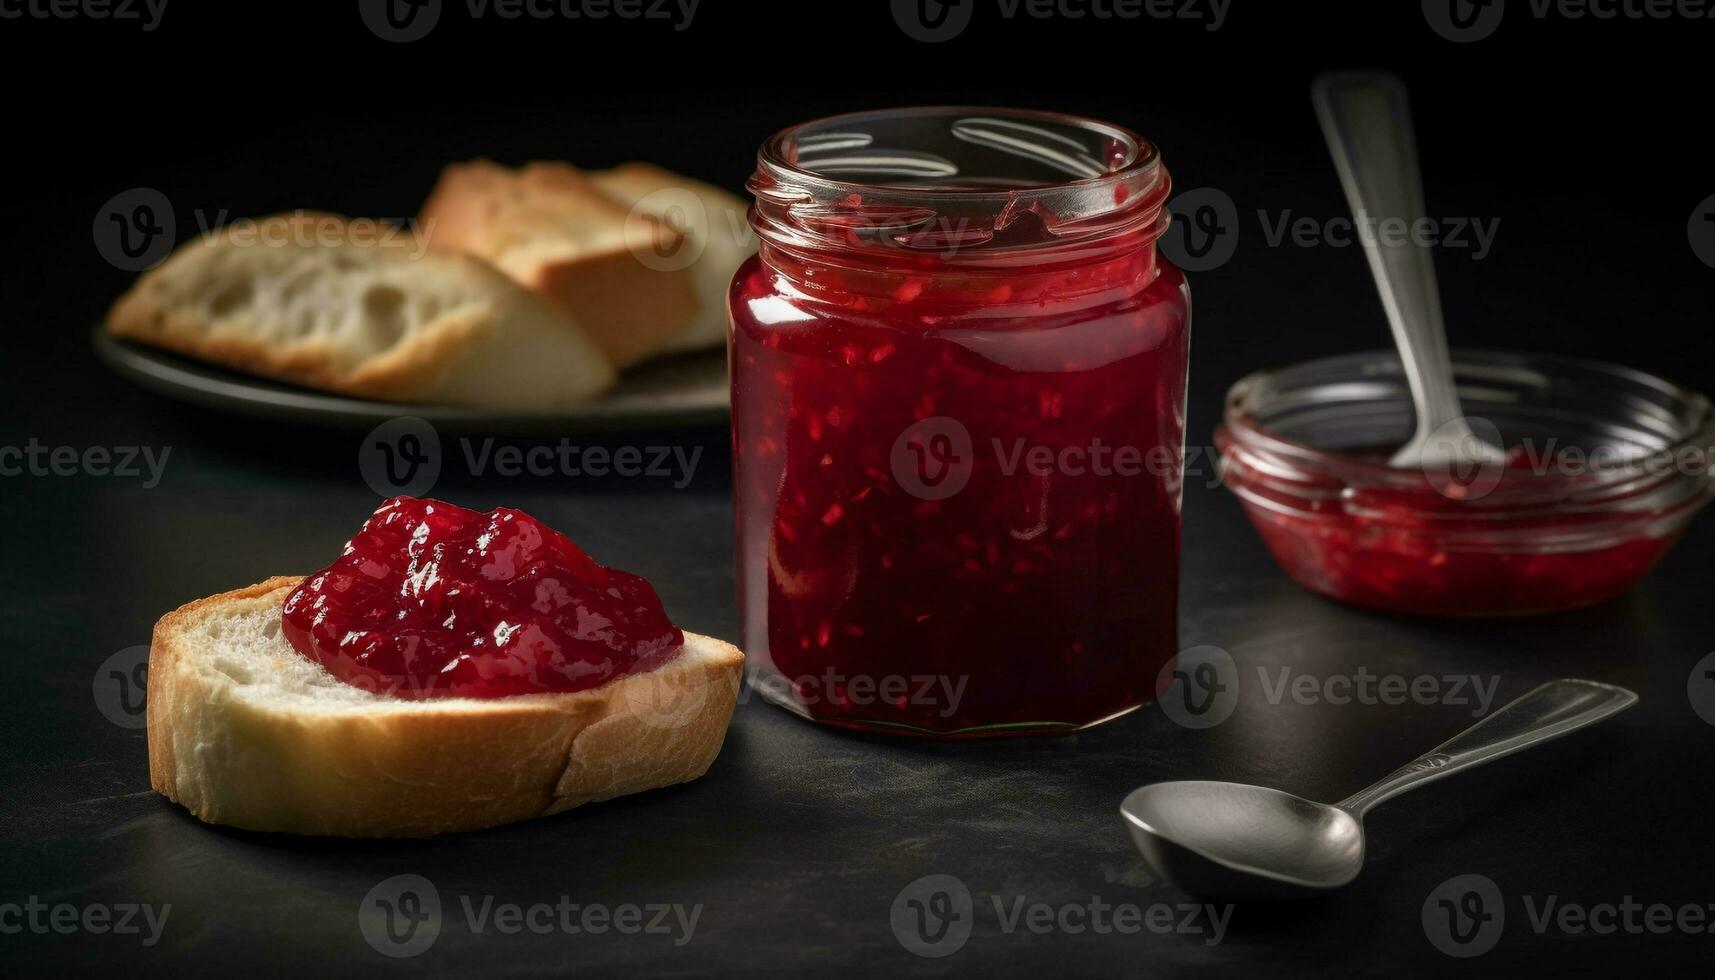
{"x":245,"y":731}
{"x":550,"y":228}
{"x":716,"y":233}
{"x":361,"y":309}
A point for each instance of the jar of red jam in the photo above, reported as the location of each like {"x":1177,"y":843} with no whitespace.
{"x":958,"y":367}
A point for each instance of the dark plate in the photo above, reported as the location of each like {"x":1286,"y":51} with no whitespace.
{"x":686,"y":390}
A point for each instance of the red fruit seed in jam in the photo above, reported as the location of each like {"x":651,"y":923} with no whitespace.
{"x":433,"y":600}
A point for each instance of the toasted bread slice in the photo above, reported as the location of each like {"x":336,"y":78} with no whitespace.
{"x":353,"y":308}
{"x":245,"y":731}
{"x":717,"y":239}
{"x":550,"y":228}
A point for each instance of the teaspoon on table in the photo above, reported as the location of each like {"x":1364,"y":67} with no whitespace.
{"x":1366,"y":119}
{"x":1237,"y":841}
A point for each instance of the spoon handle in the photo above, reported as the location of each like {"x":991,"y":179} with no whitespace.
{"x":1548,"y":712}
{"x":1366,"y":119}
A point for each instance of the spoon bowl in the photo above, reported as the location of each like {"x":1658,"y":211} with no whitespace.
{"x":1240,"y":842}
{"x":1235,"y":841}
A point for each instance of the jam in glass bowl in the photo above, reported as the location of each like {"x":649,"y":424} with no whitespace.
{"x":958,"y":369}
{"x":1605,"y":468}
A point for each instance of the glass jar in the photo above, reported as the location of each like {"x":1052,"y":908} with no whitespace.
{"x":958,"y":369}
{"x":1606,"y":466}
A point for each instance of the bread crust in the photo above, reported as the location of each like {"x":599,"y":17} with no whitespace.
{"x":727,"y":241}
{"x":555,"y":231}
{"x":388,"y":767}
{"x":403,"y":375}
{"x":504,"y":328}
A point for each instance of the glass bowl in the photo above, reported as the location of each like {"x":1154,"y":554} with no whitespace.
{"x":1606,"y":467}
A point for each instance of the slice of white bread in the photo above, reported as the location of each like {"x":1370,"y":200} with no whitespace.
{"x":552,"y":229}
{"x":345,"y":306}
{"x":245,"y":731}
{"x":716,"y":233}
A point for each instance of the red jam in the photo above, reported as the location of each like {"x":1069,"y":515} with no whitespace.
{"x":957,"y":482}
{"x":1394,"y":567}
{"x":1419,"y":548}
{"x":433,"y":600}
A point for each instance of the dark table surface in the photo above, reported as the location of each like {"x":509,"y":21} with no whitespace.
{"x":795,"y":848}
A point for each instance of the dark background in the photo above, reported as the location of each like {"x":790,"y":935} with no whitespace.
{"x":1585,"y":138}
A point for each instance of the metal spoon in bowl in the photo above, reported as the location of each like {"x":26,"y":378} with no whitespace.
{"x":1242,"y":842}
{"x":1366,"y":119}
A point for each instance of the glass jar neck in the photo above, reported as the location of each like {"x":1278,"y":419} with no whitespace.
{"x":961,"y":202}
{"x":1083,"y":274}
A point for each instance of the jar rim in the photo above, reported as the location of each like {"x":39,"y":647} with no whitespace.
{"x":1630,"y":482}
{"x":957,"y":179}
{"x":775,"y":159}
